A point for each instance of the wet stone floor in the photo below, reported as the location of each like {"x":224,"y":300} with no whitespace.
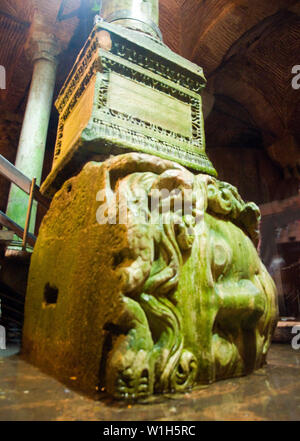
{"x":272,"y":393}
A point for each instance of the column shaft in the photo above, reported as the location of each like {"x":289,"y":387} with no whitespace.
{"x":31,"y":149}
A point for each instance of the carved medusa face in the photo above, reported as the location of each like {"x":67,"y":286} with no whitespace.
{"x":206,"y":298}
{"x":160,"y":306}
{"x":243,"y":300}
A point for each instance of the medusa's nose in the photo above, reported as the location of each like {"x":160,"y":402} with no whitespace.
{"x":243,"y":296}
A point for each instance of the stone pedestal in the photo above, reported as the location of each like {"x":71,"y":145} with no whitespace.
{"x":128,"y":92}
{"x":145,"y":279}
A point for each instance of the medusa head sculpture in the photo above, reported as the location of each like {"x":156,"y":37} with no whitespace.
{"x":198,"y":303}
{"x":145,"y":279}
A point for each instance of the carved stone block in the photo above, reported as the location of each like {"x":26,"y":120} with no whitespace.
{"x":128,"y":92}
{"x":141,"y":297}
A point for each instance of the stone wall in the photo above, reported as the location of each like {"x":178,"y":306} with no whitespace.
{"x":251,"y":170}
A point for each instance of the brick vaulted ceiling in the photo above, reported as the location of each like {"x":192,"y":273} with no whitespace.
{"x":246,"y":47}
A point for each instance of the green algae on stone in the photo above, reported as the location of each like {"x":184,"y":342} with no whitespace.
{"x":159,"y":303}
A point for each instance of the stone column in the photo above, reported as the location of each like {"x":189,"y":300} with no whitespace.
{"x":141,"y":15}
{"x":43,"y":49}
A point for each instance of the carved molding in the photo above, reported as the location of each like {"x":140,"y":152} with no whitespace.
{"x":43,"y":46}
{"x":104,"y":64}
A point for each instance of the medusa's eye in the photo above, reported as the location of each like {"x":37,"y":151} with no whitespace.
{"x":221,"y":258}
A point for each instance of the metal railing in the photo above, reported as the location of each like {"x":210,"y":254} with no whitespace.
{"x":9,"y":171}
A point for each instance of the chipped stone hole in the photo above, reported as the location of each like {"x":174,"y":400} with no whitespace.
{"x":50,"y":294}
{"x":115,"y":176}
{"x":113,"y":329}
{"x":121,"y":258}
{"x":156,"y":251}
{"x":118,"y":258}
